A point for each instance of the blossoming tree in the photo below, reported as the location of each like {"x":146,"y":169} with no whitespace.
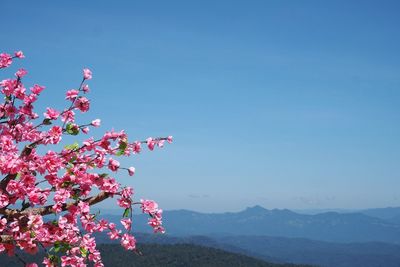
{"x":64,"y":181}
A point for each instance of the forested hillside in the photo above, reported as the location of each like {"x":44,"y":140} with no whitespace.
{"x":153,"y":255}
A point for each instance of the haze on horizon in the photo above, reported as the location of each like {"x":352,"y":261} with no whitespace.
{"x":283,"y":104}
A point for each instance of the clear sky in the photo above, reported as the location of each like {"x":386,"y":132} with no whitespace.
{"x":285,"y":104}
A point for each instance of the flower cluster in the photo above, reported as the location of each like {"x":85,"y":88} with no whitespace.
{"x":66,"y":182}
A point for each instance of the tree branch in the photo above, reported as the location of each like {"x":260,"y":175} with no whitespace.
{"x":46,"y":210}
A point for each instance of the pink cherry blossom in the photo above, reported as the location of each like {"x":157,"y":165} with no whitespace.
{"x":68,"y":116}
{"x":35,"y":222}
{"x":19,"y":92}
{"x":72,"y":94}
{"x":127,"y":223}
{"x":51,"y":114}
{"x":82,"y":103}
{"x":37,"y":89}
{"x":150,"y":143}
{"x":149,"y":206}
{"x":87,"y":74}
{"x":128,"y":242}
{"x":96,"y":123}
{"x":113,"y":164}
{"x":136,"y":147}
{"x":5,"y":60}
{"x":3,"y":223}
{"x":4,"y":200}
{"x":84,"y":207}
{"x":19,"y":54}
{"x":54,"y":135}
{"x":48,"y":187}
{"x":21,"y":73}
{"x":127,"y":192}
{"x":160,"y":143}
{"x":131,"y":171}
{"x":114,"y":234}
{"x":85,"y":88}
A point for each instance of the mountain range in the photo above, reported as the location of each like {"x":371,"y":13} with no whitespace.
{"x":365,"y":238}
{"x":258,"y":221}
{"x":287,"y":250}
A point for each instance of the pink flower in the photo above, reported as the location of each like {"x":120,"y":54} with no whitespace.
{"x":128,"y":242}
{"x":149,"y":206}
{"x":136,"y":147}
{"x":82,"y":103}
{"x":71,"y":94}
{"x":131,"y":171}
{"x":87,"y":74}
{"x":68,"y":116}
{"x":114,"y":234}
{"x":47,"y":262}
{"x":55,"y":134}
{"x":5,"y":60}
{"x":150,"y":143}
{"x":160,"y":143}
{"x":35,"y":222}
{"x":127,"y":192}
{"x":8,"y":86}
{"x":102,"y":225}
{"x":20,"y":92}
{"x":36,"y":89}
{"x":21,"y":73}
{"x":4,"y":201}
{"x":110,"y":186}
{"x":84,"y":207}
{"x":85,"y":130}
{"x":113,"y":164}
{"x":19,"y":54}
{"x":85,"y":88}
{"x":51,"y":114}
{"x":3,"y":223}
{"x":127,"y":223}
{"x":62,"y":222}
{"x":124,"y":203}
{"x":169,"y":139}
{"x":96,"y":123}
{"x":66,"y":179}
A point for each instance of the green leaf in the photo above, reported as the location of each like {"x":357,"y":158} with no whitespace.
{"x":57,"y":246}
{"x":54,"y":259}
{"x":72,"y":146}
{"x":122,"y":147}
{"x":76,"y":194}
{"x":72,"y":160}
{"x":120,"y":152}
{"x":84,"y":252}
{"x":126,"y":212}
{"x":66,"y":184}
{"x":72,"y":129}
{"x":60,"y":246}
{"x":47,"y":122}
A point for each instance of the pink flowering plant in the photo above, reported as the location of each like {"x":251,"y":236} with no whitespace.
{"x":64,"y":182}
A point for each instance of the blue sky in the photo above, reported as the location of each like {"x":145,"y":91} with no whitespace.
{"x":286,"y":104}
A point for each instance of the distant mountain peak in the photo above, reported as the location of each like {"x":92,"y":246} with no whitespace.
{"x":256,"y":208}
